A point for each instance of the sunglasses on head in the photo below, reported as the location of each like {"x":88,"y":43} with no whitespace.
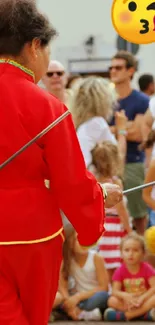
{"x":58,"y":73}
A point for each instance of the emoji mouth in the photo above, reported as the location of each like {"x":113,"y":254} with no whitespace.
{"x":151,"y":6}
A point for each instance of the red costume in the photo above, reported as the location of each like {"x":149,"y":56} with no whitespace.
{"x":31,"y":229}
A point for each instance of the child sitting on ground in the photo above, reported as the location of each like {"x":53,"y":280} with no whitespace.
{"x":86,"y":267}
{"x":133,"y":288}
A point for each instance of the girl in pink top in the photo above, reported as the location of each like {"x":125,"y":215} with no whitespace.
{"x":133,"y":289}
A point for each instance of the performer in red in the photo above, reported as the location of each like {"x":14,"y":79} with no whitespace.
{"x":31,"y":232}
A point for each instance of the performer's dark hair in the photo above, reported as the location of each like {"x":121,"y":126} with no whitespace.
{"x":20,"y":23}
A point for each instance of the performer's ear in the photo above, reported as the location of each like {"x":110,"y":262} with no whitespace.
{"x":35,"y":47}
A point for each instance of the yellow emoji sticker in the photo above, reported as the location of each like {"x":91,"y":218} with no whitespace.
{"x":134,"y":20}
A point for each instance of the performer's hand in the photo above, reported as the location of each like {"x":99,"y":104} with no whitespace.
{"x":114,"y":195}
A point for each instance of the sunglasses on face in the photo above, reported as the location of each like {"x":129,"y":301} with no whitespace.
{"x":116,"y":67}
{"x":58,"y":73}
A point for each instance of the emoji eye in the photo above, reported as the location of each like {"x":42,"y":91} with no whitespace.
{"x":132,"y":6}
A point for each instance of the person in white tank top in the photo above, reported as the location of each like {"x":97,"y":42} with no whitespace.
{"x":86,"y":267}
{"x":85,"y":276}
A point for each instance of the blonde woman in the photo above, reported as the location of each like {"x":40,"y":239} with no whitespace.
{"x":91,"y":107}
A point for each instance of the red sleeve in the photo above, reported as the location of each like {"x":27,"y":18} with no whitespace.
{"x":78,"y":194}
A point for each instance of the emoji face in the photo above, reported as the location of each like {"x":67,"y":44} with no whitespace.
{"x":134,"y":20}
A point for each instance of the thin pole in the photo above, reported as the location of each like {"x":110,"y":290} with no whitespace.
{"x":137,"y":188}
{"x":38,"y":136}
{"x":46,"y":130}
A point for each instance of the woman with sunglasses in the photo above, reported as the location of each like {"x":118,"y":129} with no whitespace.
{"x":31,"y":234}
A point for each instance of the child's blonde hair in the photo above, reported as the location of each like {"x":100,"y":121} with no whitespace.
{"x":93,"y":97}
{"x":107,"y":160}
{"x":135,"y":237}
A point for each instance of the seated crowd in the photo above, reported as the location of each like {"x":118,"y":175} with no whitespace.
{"x":115,"y":280}
{"x":86,"y":293}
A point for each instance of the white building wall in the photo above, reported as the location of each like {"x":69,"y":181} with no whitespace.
{"x":76,"y":20}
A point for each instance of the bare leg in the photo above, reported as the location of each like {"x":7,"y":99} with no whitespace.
{"x":116,"y":303}
{"x":110,"y":274}
{"x":140,"y":225}
{"x":148,"y":305}
{"x":74,"y":313}
{"x":58,"y":300}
